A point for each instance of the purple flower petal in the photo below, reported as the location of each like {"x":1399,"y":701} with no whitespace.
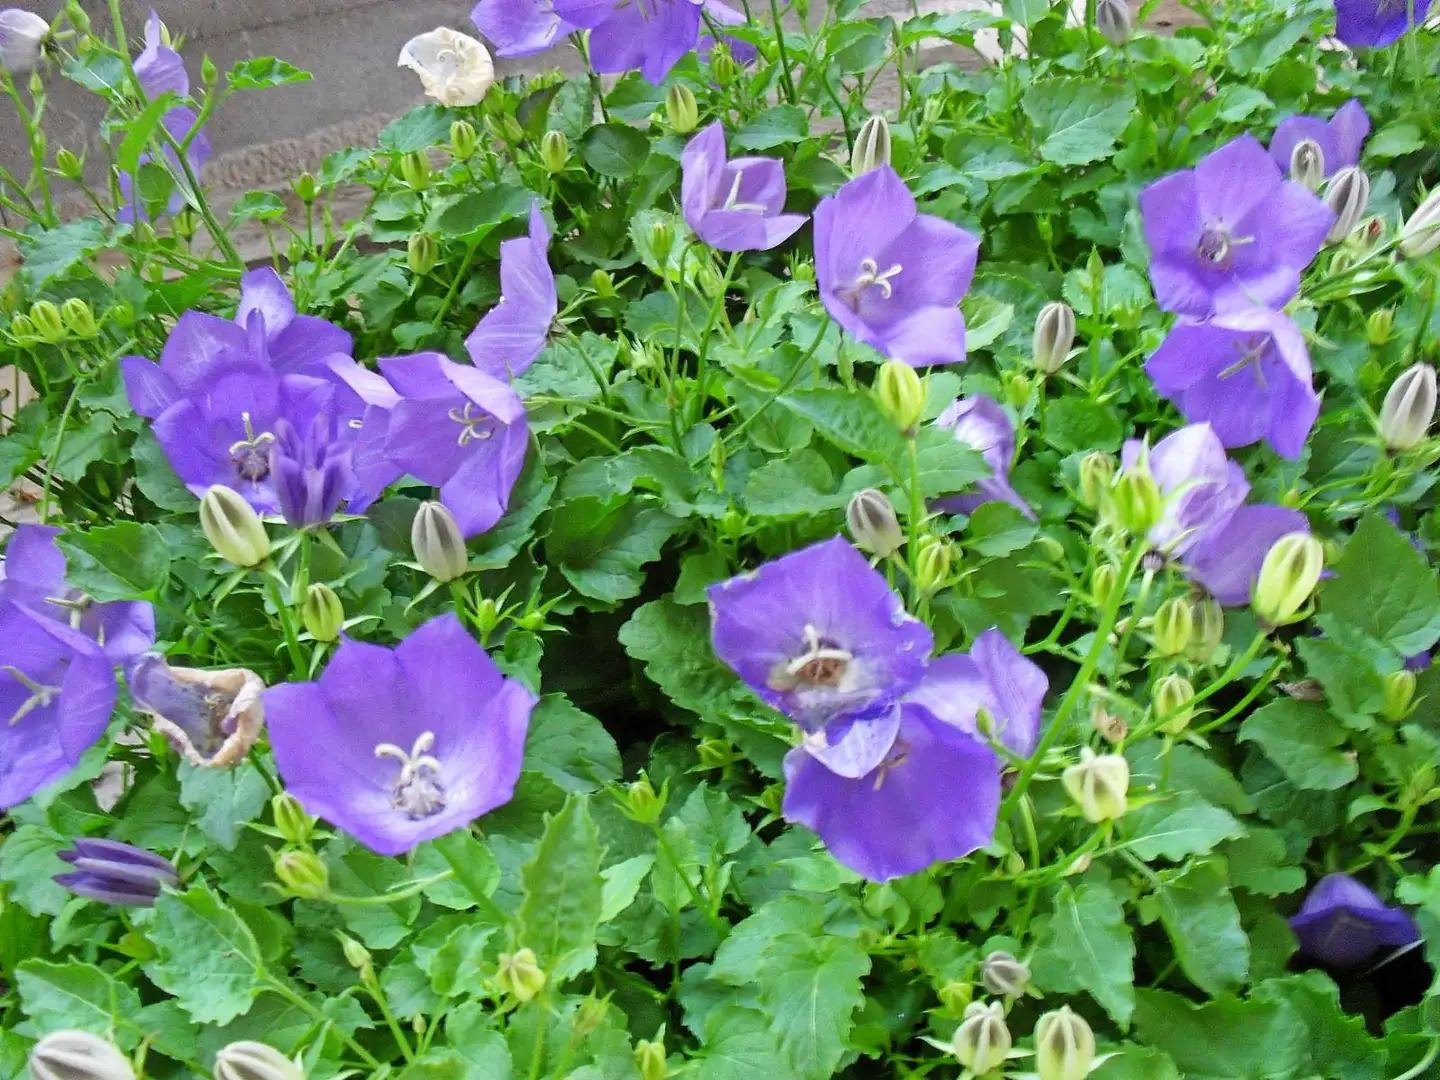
{"x":512,"y":334}
{"x":1343,"y":923}
{"x":519,"y":27}
{"x":980,"y":422}
{"x":1376,"y":23}
{"x":734,"y":205}
{"x":994,"y":676}
{"x":1226,"y":559}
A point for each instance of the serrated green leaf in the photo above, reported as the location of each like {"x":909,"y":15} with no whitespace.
{"x":75,"y":995}
{"x":419,"y":129}
{"x":564,"y":893}
{"x":208,"y":959}
{"x":810,"y":994}
{"x":800,"y":485}
{"x":601,"y":545}
{"x":458,"y":967}
{"x":622,"y":883}
{"x":124,"y":561}
{"x":27,"y":863}
{"x":774,"y":127}
{"x":1222,"y":1039}
{"x":1258,"y":863}
{"x":1199,"y":914}
{"x":51,"y":253}
{"x":1302,"y":738}
{"x":850,"y":419}
{"x":1085,"y":944}
{"x":740,"y":1046}
{"x":1339,"y":1045}
{"x":673,"y":642}
{"x":224,"y":801}
{"x":1177,"y":826}
{"x":1077,"y":120}
{"x":1383,"y":587}
{"x":264,"y":72}
{"x":615,"y":150}
{"x":570,"y":746}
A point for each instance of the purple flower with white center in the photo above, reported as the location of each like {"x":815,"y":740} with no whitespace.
{"x":652,"y":35}
{"x":116,"y":873}
{"x":1226,"y":559}
{"x":890,"y":276}
{"x":995,"y":677}
{"x":1246,"y":373}
{"x":311,"y":473}
{"x":1342,"y":923}
{"x":980,"y":422}
{"x":734,"y":205}
{"x":57,"y":691}
{"x":512,"y":334}
{"x":1340,"y":138}
{"x":1375,"y":24}
{"x":1201,"y":486}
{"x":1231,"y":232}
{"x":459,"y":429}
{"x":519,"y":27}
{"x":33,"y":574}
{"x":416,"y":741}
{"x":818,"y":634}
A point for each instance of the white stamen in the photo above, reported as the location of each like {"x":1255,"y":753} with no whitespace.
{"x":472,"y":426}
{"x":871,"y":275}
{"x":732,"y":200}
{"x":40,"y":695}
{"x":417,"y":791}
{"x":816,"y":651}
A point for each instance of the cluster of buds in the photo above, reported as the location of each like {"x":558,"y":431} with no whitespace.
{"x":51,"y":324}
{"x":982,"y":1044}
{"x":80,"y":1055}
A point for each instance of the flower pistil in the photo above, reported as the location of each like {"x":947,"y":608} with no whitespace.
{"x":418,"y":790}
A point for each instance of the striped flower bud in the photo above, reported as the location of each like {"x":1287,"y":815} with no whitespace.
{"x":78,"y":1055}
{"x":438,"y":543}
{"x":1347,"y":194}
{"x":1421,"y":233}
{"x":901,"y":394}
{"x":1098,"y":784}
{"x":681,"y":111}
{"x":1054,"y":337}
{"x":1064,"y":1046}
{"x":1288,"y":576}
{"x":1409,"y":407}
{"x":1307,"y":164}
{"x":1174,"y":626}
{"x":982,"y":1041}
{"x":872,"y":146}
{"x":233,"y":527}
{"x":873,"y":523}
{"x":247,"y":1060}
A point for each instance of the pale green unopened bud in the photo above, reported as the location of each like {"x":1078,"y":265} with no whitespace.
{"x":463,"y":140}
{"x":681,"y":111}
{"x":662,"y":239}
{"x":68,"y":165}
{"x":1380,"y":326}
{"x":982,"y":1041}
{"x":1137,"y":500}
{"x":303,"y":874}
{"x":1399,"y":693}
{"x":1097,"y":474}
{"x":1004,"y":976}
{"x":291,"y":820}
{"x":1209,"y":630}
{"x":254,"y":1061}
{"x":22,"y":328}
{"x":872,"y":146}
{"x":415,"y":170}
{"x":643,"y":803}
{"x":1347,"y":195}
{"x":554,"y":152}
{"x":1307,"y":164}
{"x":1064,"y":1046}
{"x":78,"y":1055}
{"x":1054,"y":337}
{"x":1017,"y":388}
{"x":722,"y":64}
{"x":603,"y":284}
{"x":1288,"y":576}
{"x":710,"y":280}
{"x":322,"y":612}
{"x":589,"y":1016}
{"x":1098,"y":785}
{"x":305,"y":187}
{"x":356,"y":955}
{"x":1171,"y":696}
{"x":1114,"y":20}
{"x":650,"y":1059}
{"x":1421,"y":233}
{"x":79,"y":319}
{"x":520,"y":975}
{"x":873,"y":523}
{"x":1102,"y":584}
{"x":233,"y":527}
{"x":48,"y":324}
{"x":715,"y":753}
{"x":438,"y":543}
{"x":422,"y":253}
{"x":1174,"y":626}
{"x":901,"y":394}
{"x":1409,"y":407}
{"x":932,"y":564}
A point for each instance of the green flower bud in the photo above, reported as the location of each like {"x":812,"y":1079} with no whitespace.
{"x":1017,"y":388}
{"x":1408,"y":410}
{"x":1064,"y":1046}
{"x":715,"y":753}
{"x":1421,"y":233}
{"x":1097,"y":474}
{"x":511,"y":129}
{"x":487,"y":615}
{"x":438,"y":543}
{"x":650,"y":1059}
{"x":78,"y":1055}
{"x":322,"y":612}
{"x":1307,"y":164}
{"x":520,"y":975}
{"x":1171,"y":696}
{"x":1346,"y":194}
{"x":1399,"y":693}
{"x":588,"y":1017}
{"x":956,"y":996}
{"x":463,"y":140}
{"x":1004,"y":976}
{"x":662,"y":239}
{"x":48,"y":324}
{"x":68,"y":165}
{"x":208,"y":71}
{"x":873,"y":523}
{"x":681,"y":111}
{"x":22,"y":328}
{"x":79,"y":319}
{"x":722,"y":64}
{"x":356,"y":955}
{"x":982,"y":1041}
{"x":415,"y":170}
{"x":1209,"y":630}
{"x":901,"y":394}
{"x":643,"y":803}
{"x":1288,"y":576}
{"x":1114,"y":21}
{"x":1174,"y":626}
{"x":233,"y":528}
{"x":303,"y":874}
{"x":554,"y":152}
{"x":710,"y":280}
{"x":422,"y":253}
{"x":933,"y":562}
{"x":1054,"y":337}
{"x":1380,"y":326}
{"x":1102,"y":584}
{"x":254,"y":1061}
{"x":872,"y":146}
{"x":1098,"y":785}
{"x":1137,"y":500}
{"x":291,"y":820}
{"x":603,"y":284}
{"x":305,"y":187}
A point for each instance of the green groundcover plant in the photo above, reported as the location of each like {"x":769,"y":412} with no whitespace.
{"x":774,"y":555}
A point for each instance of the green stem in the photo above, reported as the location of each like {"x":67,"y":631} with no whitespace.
{"x":1391,"y":842}
{"x":415,"y":888}
{"x":784,"y":386}
{"x":721,"y":927}
{"x":377,"y":994}
{"x":785,"y":77}
{"x":1420,"y":1067}
{"x":537,"y":1048}
{"x":55,"y":448}
{"x":287,"y":624}
{"x":454,"y":289}
{"x":278,"y":987}
{"x":1238,"y":665}
{"x":698,"y":413}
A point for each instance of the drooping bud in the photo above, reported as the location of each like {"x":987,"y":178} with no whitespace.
{"x":248,"y":1060}
{"x":932,"y":564}
{"x":422,"y":253}
{"x":48,"y":324}
{"x":233,"y":527}
{"x":415,"y":170}
{"x":873,"y":523}
{"x":438,"y":543}
{"x":1209,"y":630}
{"x":681,"y":111}
{"x":872,"y":146}
{"x":1137,"y":500}
{"x":1379,"y":326}
{"x":1399,"y":693}
{"x":554,"y":152}
{"x":1421,"y":232}
{"x":291,"y":820}
{"x":1288,"y":576}
{"x":1097,"y":474}
{"x":78,"y":1055}
{"x":23,"y":36}
{"x":1114,"y":20}
{"x":1172,"y":694}
{"x":520,"y":974}
{"x":901,"y":394}
{"x":79,"y":319}
{"x":643,"y":803}
{"x":1102,"y":584}
{"x":1307,"y":164}
{"x":1098,"y":784}
{"x":1174,"y":626}
{"x":1064,"y":1046}
{"x":1112,"y":727}
{"x":1409,"y":407}
{"x":1346,"y":194}
{"x":463,"y":140}
{"x":650,"y":1058}
{"x":982,"y":1041}
{"x":303,"y":874}
{"x":1004,"y":976}
{"x":322,"y":612}
{"x":1054,"y":336}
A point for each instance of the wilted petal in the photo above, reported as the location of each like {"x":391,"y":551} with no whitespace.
{"x":209,"y":717}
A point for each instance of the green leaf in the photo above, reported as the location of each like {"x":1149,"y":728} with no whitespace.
{"x":1078,"y":120}
{"x":1383,"y":587}
{"x":851,"y":420}
{"x":622,"y":883}
{"x":1258,"y":863}
{"x":263,"y":72}
{"x":458,"y":967}
{"x":1354,"y":689}
{"x":124,"y":561}
{"x":811,"y":996}
{"x":601,"y":545}
{"x":207,"y":957}
{"x":258,"y":206}
{"x":27,"y":863}
{"x":138,"y":132}
{"x":776,"y":126}
{"x":469,"y":1032}
{"x":569,"y":746}
{"x":1085,"y":944}
{"x":1199,"y":914}
{"x":1224,"y":1039}
{"x":997,"y":529}
{"x":800,"y":485}
{"x":1177,"y":826}
{"x":642,"y":235}
{"x":157,"y":480}
{"x":673,"y":641}
{"x":1075,"y":424}
{"x":475,"y":215}
{"x":1025,"y":12}
{"x":739,"y":1046}
{"x":564,"y":893}
{"x":1339,"y":1045}
{"x":76,"y":995}
{"x":223,"y":800}
{"x":363,"y":874}
{"x":51,"y":253}
{"x":615,"y":150}
{"x":419,"y":129}
{"x":1301,"y":738}
{"x":474,"y":865}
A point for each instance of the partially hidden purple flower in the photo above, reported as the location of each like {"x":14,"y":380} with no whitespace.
{"x":57,"y":691}
{"x":651,"y":35}
{"x":819,"y":634}
{"x":512,"y":334}
{"x":1226,"y":560}
{"x":891,"y":276}
{"x":1375,"y":24}
{"x":519,"y":27}
{"x":994,"y":677}
{"x":311,"y":472}
{"x":211,"y":718}
{"x":33,"y":574}
{"x":980,"y":422}
{"x":1246,"y":373}
{"x":1340,"y":138}
{"x":116,"y":873}
{"x":1231,"y":232}
{"x":734,"y":205}
{"x":1343,"y":923}
{"x":399,"y":746}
